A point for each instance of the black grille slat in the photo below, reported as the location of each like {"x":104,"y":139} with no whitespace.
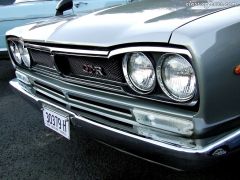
{"x":44,"y":96}
{"x":54,"y":90}
{"x":103,"y":119}
{"x":117,"y":109}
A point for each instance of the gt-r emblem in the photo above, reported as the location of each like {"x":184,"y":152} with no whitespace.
{"x":90,"y":69}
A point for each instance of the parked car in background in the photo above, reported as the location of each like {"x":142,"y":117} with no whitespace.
{"x":157,"y":79}
{"x":20,"y":12}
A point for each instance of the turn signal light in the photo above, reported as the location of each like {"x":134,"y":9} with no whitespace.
{"x":165,"y":122}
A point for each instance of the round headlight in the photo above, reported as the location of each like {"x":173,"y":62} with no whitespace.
{"x":24,"y":54}
{"x":15,"y":52}
{"x":139,"y":72}
{"x":176,"y":77}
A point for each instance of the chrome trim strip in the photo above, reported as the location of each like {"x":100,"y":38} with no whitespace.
{"x":79,"y":51}
{"x":3,"y":49}
{"x":67,"y":50}
{"x":149,"y":49}
{"x":113,"y":52}
{"x":199,"y":150}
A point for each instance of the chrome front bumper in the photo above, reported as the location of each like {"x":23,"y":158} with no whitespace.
{"x":169,"y":155}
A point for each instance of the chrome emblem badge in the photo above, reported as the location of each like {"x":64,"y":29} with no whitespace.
{"x":90,"y":69}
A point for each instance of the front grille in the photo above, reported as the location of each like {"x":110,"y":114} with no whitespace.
{"x":69,"y":64}
{"x":115,"y":116}
{"x":41,"y":58}
{"x":73,"y":66}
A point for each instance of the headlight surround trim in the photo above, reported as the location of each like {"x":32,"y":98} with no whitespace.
{"x":23,"y":57}
{"x":129,"y":80}
{"x":16,"y":55}
{"x":164,"y":87}
{"x":24,"y":54}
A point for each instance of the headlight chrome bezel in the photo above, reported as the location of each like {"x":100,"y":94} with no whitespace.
{"x":129,"y":81}
{"x":23,"y":51}
{"x":163,"y":85}
{"x":13,"y":46}
{"x":25,"y":58}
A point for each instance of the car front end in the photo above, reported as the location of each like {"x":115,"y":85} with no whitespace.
{"x":136,"y":85}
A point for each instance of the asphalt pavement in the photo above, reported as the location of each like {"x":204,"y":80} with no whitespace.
{"x":28,"y":150}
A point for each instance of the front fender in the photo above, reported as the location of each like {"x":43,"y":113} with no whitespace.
{"x":214,"y":43}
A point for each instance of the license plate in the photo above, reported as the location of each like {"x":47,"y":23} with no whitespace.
{"x":57,"y":121}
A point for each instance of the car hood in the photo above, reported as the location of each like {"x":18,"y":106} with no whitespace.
{"x":144,"y":21}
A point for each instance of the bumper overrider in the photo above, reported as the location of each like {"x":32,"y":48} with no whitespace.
{"x":180,"y":156}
